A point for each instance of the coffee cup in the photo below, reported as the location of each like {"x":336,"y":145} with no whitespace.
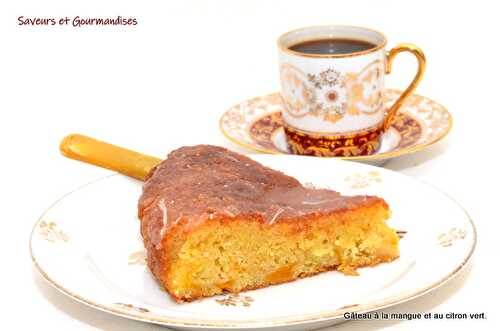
{"x":332,"y":85}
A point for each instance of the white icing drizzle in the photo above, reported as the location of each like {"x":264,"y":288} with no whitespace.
{"x":278,"y":213}
{"x":312,"y":203}
{"x":232,"y":158}
{"x":248,"y":184}
{"x":164,"y":211}
{"x":227,"y":212}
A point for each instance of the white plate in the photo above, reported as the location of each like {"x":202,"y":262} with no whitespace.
{"x":88,"y":245}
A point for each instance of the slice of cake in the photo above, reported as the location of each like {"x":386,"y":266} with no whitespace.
{"x":215,"y":221}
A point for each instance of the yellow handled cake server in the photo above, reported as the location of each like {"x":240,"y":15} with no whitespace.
{"x":105,"y":155}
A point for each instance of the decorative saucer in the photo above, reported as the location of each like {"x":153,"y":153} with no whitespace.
{"x":256,"y":124}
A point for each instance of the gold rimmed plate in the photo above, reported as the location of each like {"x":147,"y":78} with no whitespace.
{"x":256,"y":124}
{"x":88,"y":246}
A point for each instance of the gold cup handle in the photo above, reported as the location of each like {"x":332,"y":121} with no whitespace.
{"x":419,"y":54}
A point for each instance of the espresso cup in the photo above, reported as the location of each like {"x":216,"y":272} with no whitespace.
{"x":334,"y":101}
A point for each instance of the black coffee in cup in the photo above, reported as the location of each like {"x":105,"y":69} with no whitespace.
{"x":332,"y":46}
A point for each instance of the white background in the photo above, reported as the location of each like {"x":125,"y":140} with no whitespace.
{"x":165,"y":82}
